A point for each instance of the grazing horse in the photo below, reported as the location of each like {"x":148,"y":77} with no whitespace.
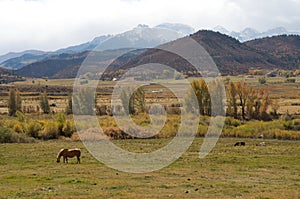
{"x":240,"y":144}
{"x":68,"y":153}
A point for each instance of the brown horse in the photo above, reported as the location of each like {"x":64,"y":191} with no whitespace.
{"x":68,"y":153}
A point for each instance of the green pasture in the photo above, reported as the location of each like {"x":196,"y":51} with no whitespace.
{"x":273,"y":171}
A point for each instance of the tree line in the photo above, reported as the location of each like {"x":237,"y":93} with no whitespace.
{"x":15,"y":103}
{"x":243,"y":101}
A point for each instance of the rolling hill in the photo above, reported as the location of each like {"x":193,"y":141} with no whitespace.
{"x":231,"y":56}
{"x":12,"y":55}
{"x":66,"y":65}
{"x":286,"y":48}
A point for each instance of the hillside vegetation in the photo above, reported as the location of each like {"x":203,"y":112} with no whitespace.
{"x":230,"y":55}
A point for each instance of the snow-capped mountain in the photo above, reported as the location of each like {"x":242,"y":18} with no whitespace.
{"x":144,"y":36}
{"x":85,"y":46}
{"x":249,"y":33}
{"x":221,"y":29}
{"x":141,"y":36}
{"x":180,"y":28}
{"x":275,"y":31}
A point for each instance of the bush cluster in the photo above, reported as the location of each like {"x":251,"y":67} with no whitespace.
{"x":9,"y":136}
{"x":22,"y":129}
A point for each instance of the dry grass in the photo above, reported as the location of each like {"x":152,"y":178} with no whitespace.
{"x":30,"y":171}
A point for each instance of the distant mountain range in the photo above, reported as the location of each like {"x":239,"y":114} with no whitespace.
{"x":249,"y":33}
{"x":14,"y":54}
{"x":230,"y":54}
{"x":140,"y":37}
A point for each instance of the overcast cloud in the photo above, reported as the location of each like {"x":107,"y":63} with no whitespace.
{"x":52,"y":24}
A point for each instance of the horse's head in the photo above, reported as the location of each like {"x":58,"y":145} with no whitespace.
{"x":59,"y":155}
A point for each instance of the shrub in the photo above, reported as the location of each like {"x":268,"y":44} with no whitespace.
{"x":288,"y":125}
{"x":9,"y":136}
{"x":18,"y":128}
{"x":21,"y":117}
{"x":60,"y":120}
{"x":68,"y":129}
{"x":33,"y":129}
{"x":116,"y":133}
{"x":290,"y":80}
{"x":230,"y":121}
{"x":50,"y":131}
{"x":9,"y":123}
{"x":262,"y":80}
{"x":174,"y":110}
{"x":202,"y":130}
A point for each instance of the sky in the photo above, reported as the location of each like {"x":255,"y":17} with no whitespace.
{"x":52,"y":24}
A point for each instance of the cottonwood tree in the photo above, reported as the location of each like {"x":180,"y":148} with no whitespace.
{"x":243,"y":94}
{"x":264,"y":106}
{"x":14,"y":102}
{"x":200,"y":89}
{"x":232,"y":101}
{"x":138,"y":99}
{"x":85,"y":101}
{"x":217,"y":95}
{"x":44,"y":103}
{"x":68,"y":109}
{"x":253,"y":103}
{"x":135,"y":103}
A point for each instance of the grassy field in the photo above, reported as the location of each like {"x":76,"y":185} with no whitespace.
{"x":273,"y":171}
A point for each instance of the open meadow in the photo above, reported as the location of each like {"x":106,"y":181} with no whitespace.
{"x":272,"y":171}
{"x":145,"y":99}
{"x":29,"y":170}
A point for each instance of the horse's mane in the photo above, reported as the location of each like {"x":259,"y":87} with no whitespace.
{"x":60,"y":152}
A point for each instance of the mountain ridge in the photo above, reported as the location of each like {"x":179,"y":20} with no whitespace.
{"x":141,"y":36}
{"x":230,"y":55}
{"x":250,"y":33}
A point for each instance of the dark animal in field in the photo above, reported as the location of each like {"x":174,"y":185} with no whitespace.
{"x":261,"y":144}
{"x":68,"y":153}
{"x":240,"y":144}
{"x":52,"y":105}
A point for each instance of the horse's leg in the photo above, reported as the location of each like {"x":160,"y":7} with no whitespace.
{"x":67,"y":160}
{"x":78,"y":160}
{"x":64,"y":159}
